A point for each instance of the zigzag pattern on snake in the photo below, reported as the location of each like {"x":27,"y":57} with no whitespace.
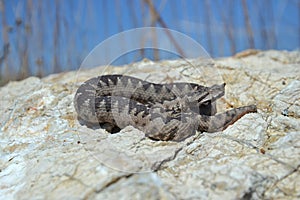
{"x":162,"y":111}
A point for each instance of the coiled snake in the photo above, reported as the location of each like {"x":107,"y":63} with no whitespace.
{"x":162,"y":111}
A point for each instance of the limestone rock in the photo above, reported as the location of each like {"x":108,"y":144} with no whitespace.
{"x":47,"y":154}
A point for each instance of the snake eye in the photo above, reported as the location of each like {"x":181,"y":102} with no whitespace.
{"x":205,"y":103}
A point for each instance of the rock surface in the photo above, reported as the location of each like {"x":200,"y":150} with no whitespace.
{"x":47,"y":154}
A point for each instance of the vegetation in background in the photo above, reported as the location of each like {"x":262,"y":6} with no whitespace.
{"x":39,"y":37}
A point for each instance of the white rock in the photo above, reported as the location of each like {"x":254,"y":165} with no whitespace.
{"x":47,"y":154}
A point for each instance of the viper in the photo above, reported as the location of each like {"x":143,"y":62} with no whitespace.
{"x":172,"y":111}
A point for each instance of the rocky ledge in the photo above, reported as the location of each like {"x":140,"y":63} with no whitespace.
{"x":47,"y":154}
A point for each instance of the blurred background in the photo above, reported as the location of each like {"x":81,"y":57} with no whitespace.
{"x":39,"y":37}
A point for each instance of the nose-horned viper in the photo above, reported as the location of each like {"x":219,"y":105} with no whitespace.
{"x":162,"y":111}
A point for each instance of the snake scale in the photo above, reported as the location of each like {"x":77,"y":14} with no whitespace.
{"x":162,"y":111}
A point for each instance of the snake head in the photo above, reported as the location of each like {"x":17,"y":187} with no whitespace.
{"x":214,"y":93}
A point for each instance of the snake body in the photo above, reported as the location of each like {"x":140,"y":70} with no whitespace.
{"x":162,"y":111}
